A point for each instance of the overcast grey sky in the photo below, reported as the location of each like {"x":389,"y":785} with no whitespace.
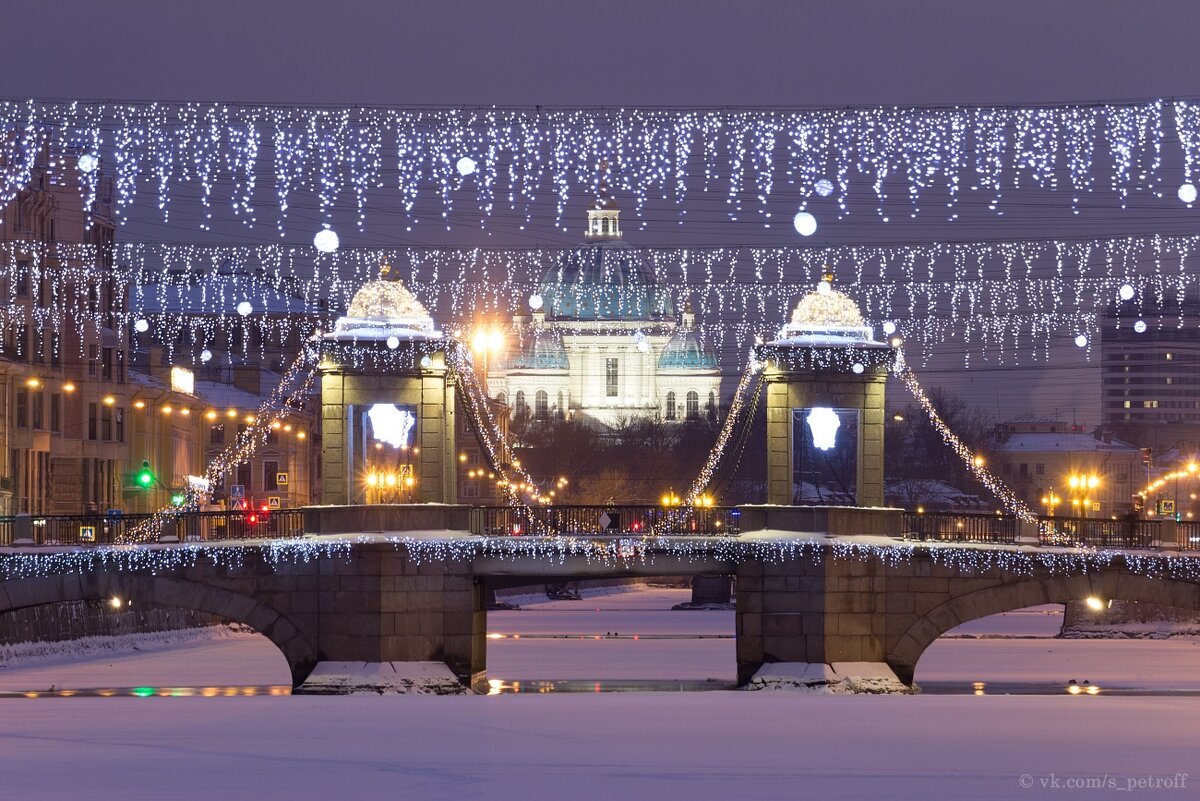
{"x":642,"y":52}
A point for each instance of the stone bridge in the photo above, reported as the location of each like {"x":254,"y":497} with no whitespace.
{"x":419,"y":594}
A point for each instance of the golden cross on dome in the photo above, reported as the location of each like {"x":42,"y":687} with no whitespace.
{"x":384,"y":269}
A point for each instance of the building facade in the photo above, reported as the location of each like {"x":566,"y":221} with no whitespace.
{"x":602,"y":340}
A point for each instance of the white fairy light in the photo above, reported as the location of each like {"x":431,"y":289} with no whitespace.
{"x":326,"y":240}
{"x":804,"y":223}
{"x":1125,"y":292}
{"x":142,"y":325}
{"x":857,"y":368}
{"x":245,"y":308}
{"x":535,"y":302}
{"x":823,"y":187}
{"x":393,"y":342}
{"x":1081,"y":341}
{"x":206,"y":355}
{"x":1139,"y":327}
{"x":889,"y":328}
{"x":465,"y":166}
{"x":1187,"y":193}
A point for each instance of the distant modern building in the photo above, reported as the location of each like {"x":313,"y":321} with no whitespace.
{"x":602,"y":340}
{"x":1069,"y":473}
{"x":1150,"y":374}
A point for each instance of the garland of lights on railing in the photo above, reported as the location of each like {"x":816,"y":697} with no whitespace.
{"x":613,"y":552}
{"x":1014,"y":297}
{"x":430,"y":159}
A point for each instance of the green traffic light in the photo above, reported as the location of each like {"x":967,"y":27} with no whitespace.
{"x":144,"y":476}
{"x":177,"y":499}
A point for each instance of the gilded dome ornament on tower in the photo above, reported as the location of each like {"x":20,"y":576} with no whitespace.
{"x":383,"y":308}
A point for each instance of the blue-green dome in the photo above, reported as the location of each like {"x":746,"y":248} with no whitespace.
{"x":684,"y":349}
{"x":605,"y":280}
{"x":541,"y":349}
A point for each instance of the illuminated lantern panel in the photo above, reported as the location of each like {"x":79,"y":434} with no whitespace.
{"x":387,"y":452}
{"x":824,"y":456}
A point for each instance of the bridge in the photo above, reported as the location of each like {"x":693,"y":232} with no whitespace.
{"x":816,"y":585}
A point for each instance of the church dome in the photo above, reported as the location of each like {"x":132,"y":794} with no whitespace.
{"x":540,"y":350}
{"x":685,"y":350}
{"x":604,"y":280}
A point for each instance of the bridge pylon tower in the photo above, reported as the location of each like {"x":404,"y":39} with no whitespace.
{"x":825,"y":377}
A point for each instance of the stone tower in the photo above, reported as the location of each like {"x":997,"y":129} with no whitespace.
{"x":825,"y":379}
{"x":387,"y":403}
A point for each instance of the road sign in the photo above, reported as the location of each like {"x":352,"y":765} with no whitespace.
{"x":281,"y":479}
{"x":87,"y":533}
{"x":273,"y":502}
{"x":237,"y":491}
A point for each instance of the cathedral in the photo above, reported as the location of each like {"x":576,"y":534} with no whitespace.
{"x":603,"y":341}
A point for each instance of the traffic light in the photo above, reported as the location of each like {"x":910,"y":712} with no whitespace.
{"x":145,"y":477}
{"x":178,"y":499}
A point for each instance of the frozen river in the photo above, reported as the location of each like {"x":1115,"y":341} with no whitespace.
{"x":662,"y":745}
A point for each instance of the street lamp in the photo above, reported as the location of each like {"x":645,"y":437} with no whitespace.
{"x":1080,"y":484}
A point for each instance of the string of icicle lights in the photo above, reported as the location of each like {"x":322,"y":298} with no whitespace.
{"x":1004,"y":302}
{"x":614,"y":552}
{"x":249,"y":157}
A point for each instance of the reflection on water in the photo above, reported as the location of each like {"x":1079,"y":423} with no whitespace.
{"x":154,"y":692}
{"x":503,"y":687}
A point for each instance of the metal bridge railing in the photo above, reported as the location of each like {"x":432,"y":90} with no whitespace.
{"x":959,"y":527}
{"x":1100,"y":533}
{"x":611,"y":520}
{"x":1189,"y":535}
{"x":186,"y":527}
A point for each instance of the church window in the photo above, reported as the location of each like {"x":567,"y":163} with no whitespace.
{"x":711,"y":409}
{"x":610,"y":378}
{"x":520,"y":409}
{"x":693,"y":405}
{"x":562,"y":409}
{"x":670,"y":405}
{"x":541,"y":405}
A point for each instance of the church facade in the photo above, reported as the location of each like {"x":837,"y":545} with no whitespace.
{"x":602,"y":340}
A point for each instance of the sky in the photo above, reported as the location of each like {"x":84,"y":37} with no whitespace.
{"x":629,"y":52}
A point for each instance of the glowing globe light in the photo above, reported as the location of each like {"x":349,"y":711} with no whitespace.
{"x":141,"y":326}
{"x":465,"y":166}
{"x":245,"y":308}
{"x":206,"y":355}
{"x":857,"y":368}
{"x":426,"y":362}
{"x":1125,"y":292}
{"x":823,"y":288}
{"x":1140,"y":326}
{"x":889,"y":328}
{"x":824,"y":187}
{"x":1187,"y":193}
{"x":88,"y":163}
{"x":393,"y":342}
{"x":326,"y":240}
{"x":1081,"y":341}
{"x":823,"y":422}
{"x":535,"y":302}
{"x":804,"y":223}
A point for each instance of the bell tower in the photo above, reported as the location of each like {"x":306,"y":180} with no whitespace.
{"x":604,"y":217}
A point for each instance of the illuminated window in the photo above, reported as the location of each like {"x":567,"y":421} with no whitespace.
{"x":541,"y":405}
{"x":670,"y":405}
{"x":693,"y":405}
{"x":610,"y":378}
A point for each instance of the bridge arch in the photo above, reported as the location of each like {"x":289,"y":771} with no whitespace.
{"x":905,"y":650}
{"x":300,"y":653}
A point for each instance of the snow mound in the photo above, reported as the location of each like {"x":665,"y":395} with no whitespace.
{"x":382,"y":678}
{"x":872,"y":678}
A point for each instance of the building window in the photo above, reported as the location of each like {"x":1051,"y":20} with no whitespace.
{"x":244,"y":475}
{"x":216,"y":434}
{"x":106,"y":363}
{"x":711,"y":409}
{"x":693,"y":405}
{"x":119,"y":421}
{"x":56,"y":413}
{"x":270,"y":475}
{"x":541,"y":405}
{"x":562,"y":409}
{"x":106,"y":424}
{"x":610,"y":378}
{"x":671,"y":405}
{"x":22,"y":408}
{"x":1040,"y":469}
{"x":520,"y":409}
{"x":38,"y":401}
{"x":93,"y":358}
{"x":22,"y":278}
{"x":91,"y":421}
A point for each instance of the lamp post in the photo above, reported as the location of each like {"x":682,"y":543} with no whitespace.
{"x":486,"y":342}
{"x":1080,"y":485}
